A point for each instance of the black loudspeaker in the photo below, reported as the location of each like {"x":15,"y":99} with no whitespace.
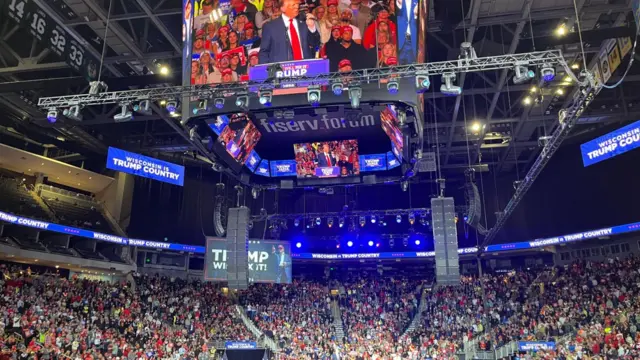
{"x":445,"y":239}
{"x":286,"y":184}
{"x":450,"y":12}
{"x":369,"y":179}
{"x":237,"y":248}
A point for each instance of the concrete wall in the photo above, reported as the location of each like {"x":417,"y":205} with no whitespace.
{"x":117,"y":198}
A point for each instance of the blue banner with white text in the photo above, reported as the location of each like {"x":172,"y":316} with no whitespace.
{"x":283,"y":168}
{"x":240,"y":345}
{"x":140,"y":165}
{"x":536,"y":345}
{"x":612,"y":144}
{"x":373,"y":162}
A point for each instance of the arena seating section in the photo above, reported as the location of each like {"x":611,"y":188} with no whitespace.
{"x":587,"y":308}
{"x":19,"y":196}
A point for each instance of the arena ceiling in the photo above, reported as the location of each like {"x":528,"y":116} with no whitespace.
{"x":144,"y":35}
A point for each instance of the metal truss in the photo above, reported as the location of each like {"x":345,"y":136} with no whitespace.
{"x":358,"y":213}
{"x":568,"y":118}
{"x":533,"y":59}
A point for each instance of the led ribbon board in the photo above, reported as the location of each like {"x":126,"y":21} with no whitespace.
{"x":373,"y":162}
{"x":612,"y":144}
{"x":140,"y":165}
{"x":525,"y":245}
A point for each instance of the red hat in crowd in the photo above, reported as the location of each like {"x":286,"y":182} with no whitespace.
{"x":344,"y":62}
{"x":200,"y":33}
{"x":248,"y":26}
{"x":222,"y":56}
{"x":392,"y":61}
{"x":226,"y":71}
{"x":346,"y":28}
{"x":332,"y":2}
{"x":336,"y":27}
{"x":253,"y":54}
{"x":223,"y":29}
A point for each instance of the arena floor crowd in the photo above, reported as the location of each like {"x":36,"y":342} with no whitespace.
{"x":590,"y":309}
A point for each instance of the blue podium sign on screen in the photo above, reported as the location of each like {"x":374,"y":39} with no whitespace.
{"x":263,"y":168}
{"x":536,"y":345}
{"x":240,"y":345}
{"x":283,"y":168}
{"x":392,"y":161}
{"x":612,"y":144}
{"x":140,"y":165}
{"x":373,"y":162}
{"x":253,"y":161}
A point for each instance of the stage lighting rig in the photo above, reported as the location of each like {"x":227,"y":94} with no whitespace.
{"x":412,"y":218}
{"x":467,"y":52}
{"x":73,"y":113}
{"x":218,"y":102}
{"x":330,"y":222}
{"x":318,"y":221}
{"x":393,"y":86}
{"x":255,"y":192}
{"x":52,"y":115}
{"x":143,"y":107}
{"x":355,"y":93}
{"x":266,"y":96}
{"x":97,"y":87}
{"x":296,"y":222}
{"x":362,"y":220}
{"x":523,"y":74}
{"x":202,"y":107}
{"x":398,"y":218}
{"x":171,"y":106}
{"x":313,"y":95}
{"x":124,"y":115}
{"x":341,"y":222}
{"x":422,"y":82}
{"x":373,"y":219}
{"x":337,"y":88}
{"x":242,"y":101}
{"x":548,"y":72}
{"x":448,"y":88}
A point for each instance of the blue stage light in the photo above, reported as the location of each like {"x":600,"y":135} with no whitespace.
{"x":298,"y":245}
{"x":417,"y":242}
{"x":349,"y":243}
{"x":370,"y":243}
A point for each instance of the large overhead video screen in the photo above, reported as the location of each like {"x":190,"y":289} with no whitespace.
{"x":391,"y":127}
{"x":226,"y":39}
{"x":241,"y":142}
{"x":269,"y":261}
{"x":327,"y":159}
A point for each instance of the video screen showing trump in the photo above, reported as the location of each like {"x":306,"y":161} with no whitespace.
{"x":269,"y":261}
{"x":327,"y":159}
{"x":391,"y":126}
{"x":229,"y":37}
{"x":240,"y":143}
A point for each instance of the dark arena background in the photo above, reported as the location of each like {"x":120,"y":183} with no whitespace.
{"x":319,"y":179}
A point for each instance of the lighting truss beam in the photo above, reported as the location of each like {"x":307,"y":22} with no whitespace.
{"x":580,"y":102}
{"x":389,"y":212}
{"x":359,"y":76}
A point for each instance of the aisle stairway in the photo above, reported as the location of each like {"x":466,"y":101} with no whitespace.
{"x":415,"y":323}
{"x":337,"y":321}
{"x":266,"y":341}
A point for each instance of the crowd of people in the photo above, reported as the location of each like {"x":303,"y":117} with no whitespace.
{"x":342,"y":155}
{"x":227,"y":36}
{"x":589,"y":310}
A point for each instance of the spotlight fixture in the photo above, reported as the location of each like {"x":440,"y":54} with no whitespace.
{"x":412,"y":218}
{"x":523,"y":74}
{"x":575,"y":66}
{"x":349,"y":243}
{"x":218,"y":103}
{"x":423,"y":219}
{"x":548,"y":72}
{"x":404,"y":185}
{"x":266,"y":97}
{"x":330,"y":222}
{"x":164,"y":70}
{"x":313,"y":95}
{"x":393,"y":86}
{"x":355,"y":92}
{"x":476,"y":127}
{"x":296,"y":222}
{"x":422,"y":83}
{"x":392,"y":243}
{"x":171,"y":106}
{"x":73,"y":113}
{"x":202,"y":107}
{"x":448,"y":88}
{"x":382,"y":223}
{"x":398,"y":219}
{"x":298,"y":245}
{"x":341,"y":222}
{"x":362,"y":220}
{"x":561,"y":30}
{"x":337,"y":88}
{"x":467,"y":51}
{"x":124,"y":115}
{"x":567,"y":80}
{"x":560,"y":92}
{"x":52,"y":115}
{"x":242,"y":101}
{"x":318,"y":221}
{"x":417,"y":241}
{"x":370,"y":243}
{"x":373,"y":219}
{"x":405,"y":242}
{"x":527,"y":100}
{"x":143,"y":107}
{"x":533,"y":89}
{"x":255,"y":192}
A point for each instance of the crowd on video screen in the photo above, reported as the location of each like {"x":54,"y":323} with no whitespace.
{"x":391,"y":127}
{"x":231,"y":36}
{"x":342,"y":154}
{"x":240,"y":143}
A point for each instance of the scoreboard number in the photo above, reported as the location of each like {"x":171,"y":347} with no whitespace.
{"x":76,"y":55}
{"x":58,"y":40}
{"x":38,"y":24}
{"x":17,"y":8}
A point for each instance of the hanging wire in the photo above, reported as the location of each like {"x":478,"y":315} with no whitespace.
{"x":631,"y":59}
{"x":435,"y":121}
{"x":584,"y":57}
{"x":104,"y":42}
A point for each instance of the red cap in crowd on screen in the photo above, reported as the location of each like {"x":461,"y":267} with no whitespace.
{"x":391,"y":61}
{"x":336,"y":27}
{"x":200,"y":33}
{"x":332,"y":2}
{"x":344,"y":62}
{"x":248,"y":26}
{"x":224,"y":29}
{"x":226,"y":71}
{"x":347,"y":28}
